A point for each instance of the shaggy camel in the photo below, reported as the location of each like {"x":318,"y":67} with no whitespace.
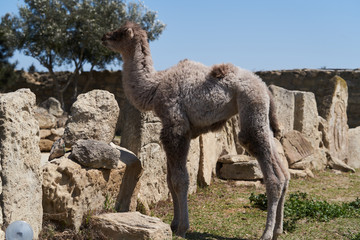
{"x":191,"y":99}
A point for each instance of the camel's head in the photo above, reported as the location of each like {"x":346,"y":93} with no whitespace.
{"x":124,"y":38}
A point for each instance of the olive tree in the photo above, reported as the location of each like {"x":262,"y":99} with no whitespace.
{"x":68,"y":32}
{"x":7,"y":69}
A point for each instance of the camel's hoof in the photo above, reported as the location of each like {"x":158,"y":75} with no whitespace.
{"x":180,"y":231}
{"x":266,"y":237}
{"x":174,"y":227}
{"x":179,"y":234}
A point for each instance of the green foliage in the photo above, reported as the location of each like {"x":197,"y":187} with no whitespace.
{"x":7,"y":70}
{"x":68,"y":32}
{"x":301,"y":206}
{"x":258,"y":201}
{"x":32,"y":68}
{"x":354,"y":236}
{"x":109,"y":204}
{"x":57,"y":32}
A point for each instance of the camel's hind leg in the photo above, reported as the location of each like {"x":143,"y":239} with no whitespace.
{"x":176,"y":147}
{"x":257,"y":138}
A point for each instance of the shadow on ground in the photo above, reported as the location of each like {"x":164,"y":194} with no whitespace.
{"x":208,"y":236}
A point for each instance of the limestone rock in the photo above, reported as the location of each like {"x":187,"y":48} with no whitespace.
{"x":61,"y":121}
{"x":306,"y":115}
{"x":332,"y":108}
{"x":44,"y":133}
{"x":215,"y":144}
{"x":45,"y":119}
{"x":56,"y":133}
{"x":280,"y":150}
{"x":296,"y":147}
{"x":354,"y":148}
{"x":133,"y":225}
{"x":45,"y":145}
{"x":53,"y":106}
{"x":44,"y":158}
{"x":285,"y":106}
{"x":251,"y":184}
{"x":210,"y":153}
{"x":95,"y":154}
{"x":246,"y":170}
{"x":297,"y":110}
{"x":229,"y":159}
{"x":70,"y":191}
{"x":337,"y":164}
{"x":93,"y":116}
{"x":21,"y":178}
{"x":127,"y":199}
{"x":57,"y":149}
{"x":297,"y":173}
{"x":193,"y":164}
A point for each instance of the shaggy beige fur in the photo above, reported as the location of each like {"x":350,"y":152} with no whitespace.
{"x":191,"y":99}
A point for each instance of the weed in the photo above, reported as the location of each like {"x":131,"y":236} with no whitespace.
{"x":301,"y":206}
{"x":109,"y":204}
{"x":258,"y":201}
{"x":355,"y":237}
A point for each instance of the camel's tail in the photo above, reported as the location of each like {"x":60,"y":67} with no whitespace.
{"x":274,"y":123}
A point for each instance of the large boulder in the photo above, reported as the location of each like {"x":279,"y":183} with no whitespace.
{"x":71,"y":191}
{"x":21,"y":178}
{"x":93,"y":116}
{"x":53,"y":106}
{"x":133,"y":225}
{"x":95,"y":154}
{"x":296,"y":147}
{"x":44,"y":118}
{"x":297,"y":110}
{"x":239,"y":167}
{"x":354,"y":148}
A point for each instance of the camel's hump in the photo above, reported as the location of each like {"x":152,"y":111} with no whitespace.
{"x":221,"y":70}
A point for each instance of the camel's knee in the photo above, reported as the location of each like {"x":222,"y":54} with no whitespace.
{"x":275,"y":186}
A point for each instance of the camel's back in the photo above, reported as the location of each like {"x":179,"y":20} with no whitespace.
{"x":206,"y":95}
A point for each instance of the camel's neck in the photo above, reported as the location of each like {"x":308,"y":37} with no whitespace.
{"x":138,"y":72}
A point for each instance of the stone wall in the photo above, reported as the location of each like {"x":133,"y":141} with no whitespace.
{"x":302,"y":79}
{"x":315,"y":81}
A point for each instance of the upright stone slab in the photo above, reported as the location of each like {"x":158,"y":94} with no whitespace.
{"x":332,"y":107}
{"x":285,"y":106}
{"x":215,"y":144}
{"x":21,"y":177}
{"x":354,"y":148}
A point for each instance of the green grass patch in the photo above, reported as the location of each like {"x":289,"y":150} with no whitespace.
{"x":300,"y":206}
{"x":223,"y":211}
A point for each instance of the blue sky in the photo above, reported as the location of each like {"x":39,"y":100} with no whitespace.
{"x":252,"y":34}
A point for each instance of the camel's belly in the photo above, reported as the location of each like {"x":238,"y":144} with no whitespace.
{"x":205,"y":114}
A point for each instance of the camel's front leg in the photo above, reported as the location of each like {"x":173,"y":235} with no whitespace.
{"x":176,"y":148}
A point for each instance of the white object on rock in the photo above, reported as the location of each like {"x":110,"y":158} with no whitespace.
{"x":19,"y":230}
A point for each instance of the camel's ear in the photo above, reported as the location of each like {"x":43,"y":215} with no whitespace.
{"x":130,"y":33}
